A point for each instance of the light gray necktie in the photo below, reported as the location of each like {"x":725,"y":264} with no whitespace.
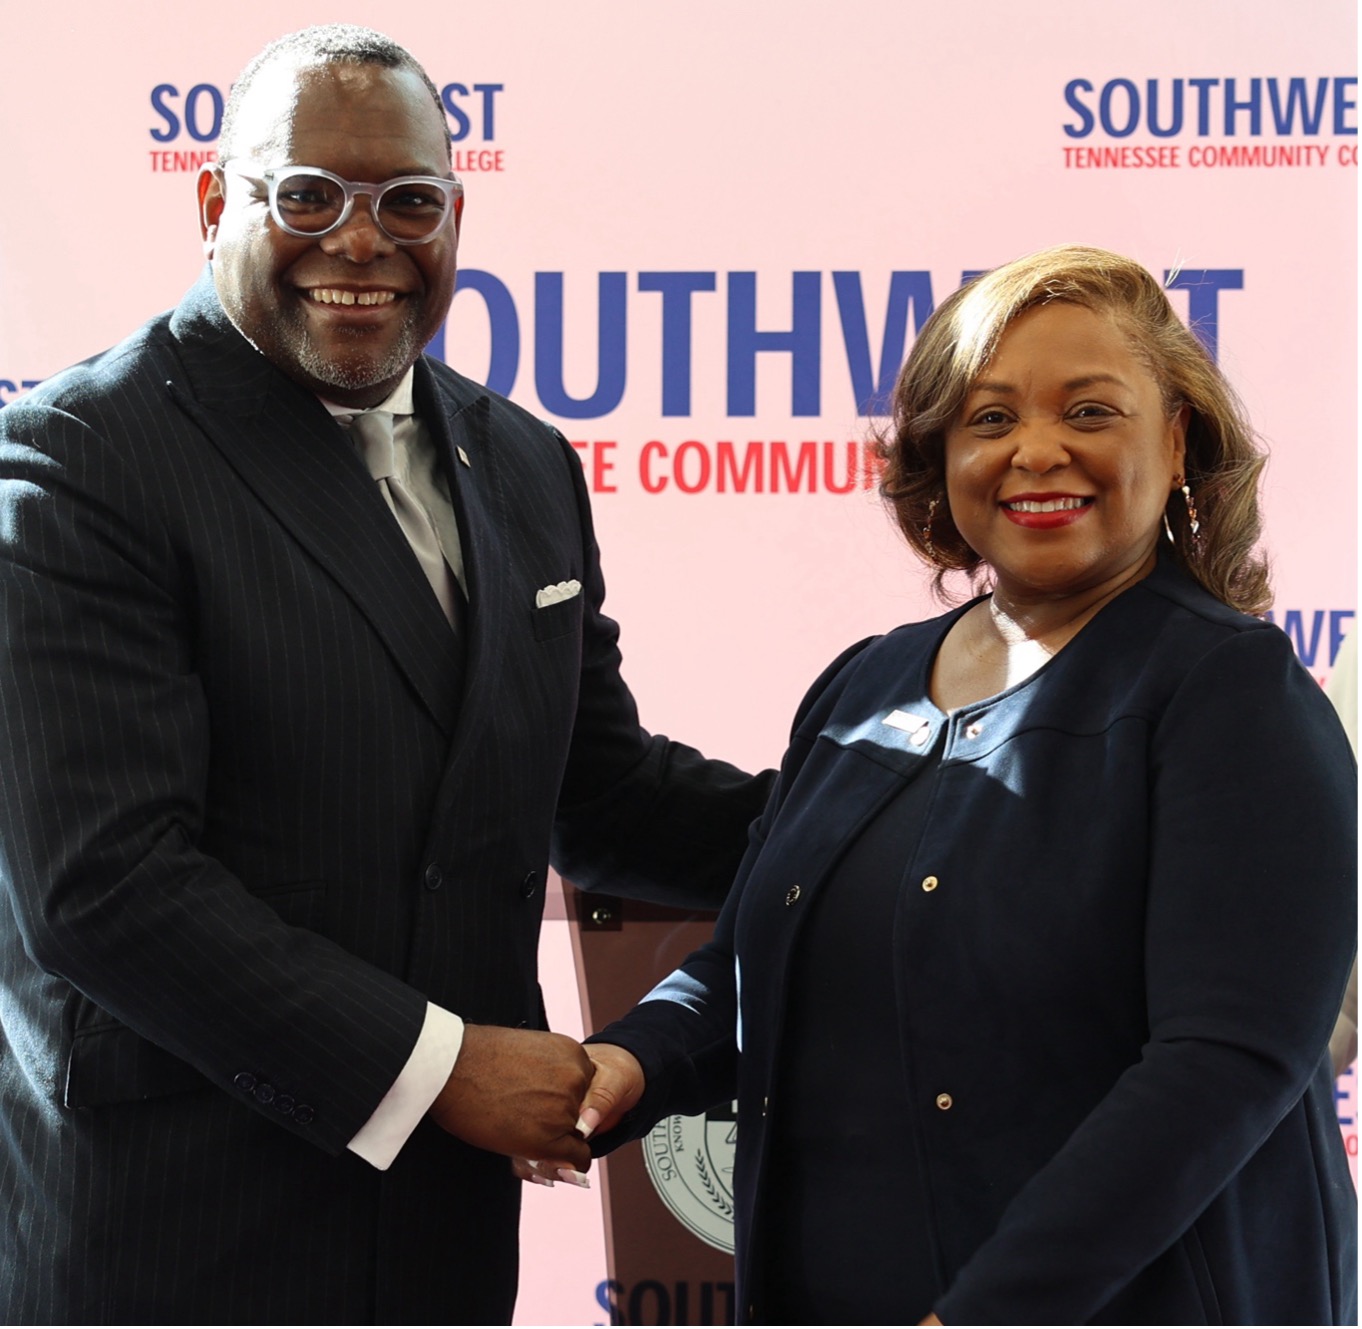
{"x":374,"y":432}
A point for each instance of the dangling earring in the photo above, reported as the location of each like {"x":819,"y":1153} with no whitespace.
{"x":927,"y":528}
{"x":1193,"y":521}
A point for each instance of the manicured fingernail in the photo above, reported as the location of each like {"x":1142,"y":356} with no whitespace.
{"x":540,"y":1181}
{"x":588,"y":1122}
{"x":576,"y":1178}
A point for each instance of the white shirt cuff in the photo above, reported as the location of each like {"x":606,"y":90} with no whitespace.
{"x":437,"y":1048}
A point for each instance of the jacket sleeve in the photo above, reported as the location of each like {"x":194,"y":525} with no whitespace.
{"x":1250,"y":929}
{"x":639,"y":815}
{"x":685,"y":1031}
{"x":104,"y":745}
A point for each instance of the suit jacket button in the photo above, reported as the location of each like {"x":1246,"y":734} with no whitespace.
{"x":303,"y":1114}
{"x":930,"y":883}
{"x":792,"y":895}
{"x":529,"y":885}
{"x":945,"y":1102}
{"x":285,"y":1104}
{"x":434,"y":877}
{"x":264,"y":1093}
{"x":245,"y":1081}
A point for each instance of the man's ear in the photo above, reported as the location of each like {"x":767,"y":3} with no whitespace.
{"x":210,"y":207}
{"x":458,"y":220}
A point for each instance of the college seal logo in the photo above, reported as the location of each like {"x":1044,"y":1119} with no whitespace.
{"x":690,"y":1161}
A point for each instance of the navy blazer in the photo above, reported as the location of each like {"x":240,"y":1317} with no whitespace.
{"x":259,"y":805}
{"x":1119,"y":950}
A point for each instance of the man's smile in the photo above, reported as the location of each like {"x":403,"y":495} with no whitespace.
{"x":333,"y":295}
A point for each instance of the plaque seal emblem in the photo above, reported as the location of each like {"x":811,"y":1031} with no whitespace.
{"x":690,"y":1163}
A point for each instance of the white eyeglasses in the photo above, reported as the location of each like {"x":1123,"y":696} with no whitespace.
{"x":310,"y":202}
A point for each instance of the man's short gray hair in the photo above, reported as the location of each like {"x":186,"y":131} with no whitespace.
{"x":328,"y":43}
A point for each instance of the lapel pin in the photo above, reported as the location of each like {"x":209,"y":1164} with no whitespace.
{"x":463,"y":457}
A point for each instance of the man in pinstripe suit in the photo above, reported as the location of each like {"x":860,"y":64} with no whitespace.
{"x":281,"y":769}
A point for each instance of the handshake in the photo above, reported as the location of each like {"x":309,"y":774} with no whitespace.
{"x":535,"y":1096}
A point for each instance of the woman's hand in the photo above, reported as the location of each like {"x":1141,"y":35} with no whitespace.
{"x":616,"y":1086}
{"x":548,"y":1172}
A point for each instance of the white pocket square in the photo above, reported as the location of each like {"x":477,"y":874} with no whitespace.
{"x":552,"y":595}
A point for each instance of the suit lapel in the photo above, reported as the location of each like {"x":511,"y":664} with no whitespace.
{"x":298,"y":462}
{"x":459,"y":426}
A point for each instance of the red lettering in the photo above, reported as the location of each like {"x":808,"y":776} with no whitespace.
{"x":691,"y":449}
{"x":829,"y":483}
{"x":753,"y":464}
{"x":601,"y":466}
{"x":472,"y":160}
{"x":645,"y":469}
{"x":780,"y":465}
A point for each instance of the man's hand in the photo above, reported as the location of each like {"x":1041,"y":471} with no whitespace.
{"x":616,"y":1086}
{"x":517,"y":1092}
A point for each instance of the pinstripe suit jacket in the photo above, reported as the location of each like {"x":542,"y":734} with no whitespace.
{"x":259,"y":805}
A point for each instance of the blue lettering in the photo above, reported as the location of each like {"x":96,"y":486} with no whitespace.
{"x":1284,"y":117}
{"x":447,"y":95}
{"x":745,"y":343}
{"x":872,"y":388}
{"x":607,"y":1294}
{"x":639,"y":1314}
{"x":1342,"y":105}
{"x":872,"y":367}
{"x":1203,"y":88}
{"x":489,"y":92}
{"x":1203,"y":287}
{"x":610,"y":347}
{"x":158,"y":104}
{"x":1085,"y":118}
{"x":191,"y":117}
{"x":1132,"y":107}
{"x":676,"y":289}
{"x":1338,"y":629}
{"x":1254,"y":106}
{"x":1294,"y":627}
{"x":9,"y":388}
{"x":504,"y":362}
{"x":1156,"y":129}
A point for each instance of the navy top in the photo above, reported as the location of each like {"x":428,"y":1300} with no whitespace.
{"x":1133,"y":921}
{"x":841,"y":1169}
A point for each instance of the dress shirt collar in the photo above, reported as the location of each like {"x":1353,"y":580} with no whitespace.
{"x":398,"y":402}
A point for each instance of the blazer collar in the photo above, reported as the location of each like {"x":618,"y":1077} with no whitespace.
{"x":296,"y":459}
{"x":458,"y":415}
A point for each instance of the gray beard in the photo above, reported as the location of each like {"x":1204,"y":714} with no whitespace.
{"x":362,"y":371}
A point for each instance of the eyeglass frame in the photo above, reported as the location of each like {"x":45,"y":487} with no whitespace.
{"x":450,"y":185}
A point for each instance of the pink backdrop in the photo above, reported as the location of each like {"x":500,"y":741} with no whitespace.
{"x":627,"y":167}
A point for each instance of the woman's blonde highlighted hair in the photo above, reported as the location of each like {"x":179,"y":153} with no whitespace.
{"x":1223,"y":460}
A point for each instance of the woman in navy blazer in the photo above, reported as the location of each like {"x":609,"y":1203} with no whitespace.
{"x":1026,"y":984}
